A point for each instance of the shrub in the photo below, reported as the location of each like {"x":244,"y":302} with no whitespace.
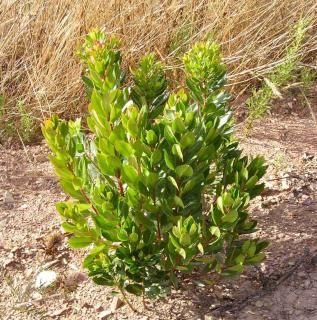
{"x":139,"y":182}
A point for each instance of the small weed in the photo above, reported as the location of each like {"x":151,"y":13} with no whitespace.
{"x":6,"y":125}
{"x":307,"y":78}
{"x":280,"y":160}
{"x":27,"y":123}
{"x":180,"y":42}
{"x":259,"y":102}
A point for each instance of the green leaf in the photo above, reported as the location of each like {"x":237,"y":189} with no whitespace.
{"x":233,"y":271}
{"x":215,"y":231}
{"x":169,"y":135}
{"x":182,"y":252}
{"x":156,"y":157}
{"x":227,"y":200}
{"x":109,"y":165}
{"x":239,"y":259}
{"x":174,"y":241}
{"x":193,"y":229}
{"x":220,"y":204}
{"x":184,"y":171}
{"x":179,"y":202}
{"x":246,"y":246}
{"x":252,"y":249}
{"x":187,"y":140}
{"x":129,"y":173}
{"x":151,"y":137}
{"x":200,"y":248}
{"x":172,"y":181}
{"x":123,"y":235}
{"x":168,"y":161}
{"x":252,"y":182}
{"x":230,"y":217}
{"x":79,"y":242}
{"x":177,"y":151}
{"x":123,"y":148}
{"x":261,"y":246}
{"x":69,"y":227}
{"x":133,"y":237}
{"x":179,"y":126}
{"x":185,"y":239}
{"x":135,"y":288}
{"x":133,"y":127}
{"x":257,"y":258}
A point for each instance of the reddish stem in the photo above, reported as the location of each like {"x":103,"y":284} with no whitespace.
{"x":120,"y":186}
{"x":88,"y":200}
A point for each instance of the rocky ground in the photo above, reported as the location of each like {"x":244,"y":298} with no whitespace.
{"x":283,"y":287}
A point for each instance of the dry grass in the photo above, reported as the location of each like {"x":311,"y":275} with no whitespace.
{"x":38,"y":40}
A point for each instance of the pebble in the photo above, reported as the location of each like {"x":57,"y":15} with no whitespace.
{"x":104,"y":314}
{"x":269,"y":202}
{"x":306,"y":284}
{"x":259,"y":304}
{"x":45,"y":279}
{"x":8,"y":197}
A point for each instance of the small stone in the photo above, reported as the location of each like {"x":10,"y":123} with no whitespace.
{"x":45,"y":279}
{"x":59,"y":312}
{"x":259,"y":304}
{"x":99,"y":308}
{"x":208,"y":317}
{"x":8,"y":197}
{"x":50,"y":264}
{"x":116,"y":304}
{"x":302,"y":274}
{"x":2,"y":244}
{"x":104,"y":314}
{"x":36,"y":295}
{"x":24,"y":206}
{"x":269,"y":202}
{"x":28,"y":272}
{"x":74,"y":279}
{"x":41,"y":158}
{"x":307,"y":156}
{"x":8,"y":263}
{"x":306,"y":284}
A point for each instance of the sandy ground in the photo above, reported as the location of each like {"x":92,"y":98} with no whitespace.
{"x":283,"y":287}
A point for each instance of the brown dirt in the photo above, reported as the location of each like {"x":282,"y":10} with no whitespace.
{"x":283,"y":287}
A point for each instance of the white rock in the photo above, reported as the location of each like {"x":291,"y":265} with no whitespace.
{"x":45,"y":279}
{"x":104,"y":314}
{"x":8,"y":197}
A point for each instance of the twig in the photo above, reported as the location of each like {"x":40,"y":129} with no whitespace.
{"x":308,"y":65}
{"x":143,"y":301}
{"x":127,"y":301}
{"x":309,"y":107}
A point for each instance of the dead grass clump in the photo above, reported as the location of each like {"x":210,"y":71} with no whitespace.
{"x":38,"y":41}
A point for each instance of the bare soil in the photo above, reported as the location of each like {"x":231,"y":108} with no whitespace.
{"x":282,"y":287}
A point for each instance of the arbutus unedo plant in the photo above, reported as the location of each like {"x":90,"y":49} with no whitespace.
{"x":138,"y":181}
